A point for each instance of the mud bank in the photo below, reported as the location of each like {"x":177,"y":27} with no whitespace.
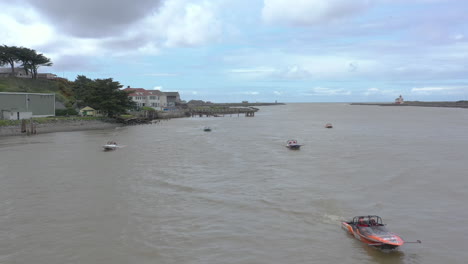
{"x":59,"y":126}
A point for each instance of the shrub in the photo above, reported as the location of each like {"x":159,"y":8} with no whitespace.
{"x":66,"y":112}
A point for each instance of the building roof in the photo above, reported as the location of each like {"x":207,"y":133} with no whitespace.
{"x":142,"y":92}
{"x":27,"y":93}
{"x":87,"y":108}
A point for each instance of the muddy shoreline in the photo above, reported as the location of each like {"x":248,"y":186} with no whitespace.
{"x":59,"y":126}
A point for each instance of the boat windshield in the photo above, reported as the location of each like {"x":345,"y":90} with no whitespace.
{"x":374,"y":230}
{"x":368,"y":220}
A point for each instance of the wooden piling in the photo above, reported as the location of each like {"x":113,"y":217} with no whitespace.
{"x":23,"y":126}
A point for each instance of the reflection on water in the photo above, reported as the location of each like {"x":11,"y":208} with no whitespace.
{"x":176,"y":194}
{"x":384,"y":256}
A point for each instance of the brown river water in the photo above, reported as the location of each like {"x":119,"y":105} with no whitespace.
{"x":176,"y":194}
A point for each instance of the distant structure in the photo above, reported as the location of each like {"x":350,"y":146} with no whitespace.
{"x":15,"y":106}
{"x":21,"y":73}
{"x":155,"y":99}
{"x":172,"y":98}
{"x":399,"y":100}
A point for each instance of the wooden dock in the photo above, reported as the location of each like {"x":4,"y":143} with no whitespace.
{"x":221,"y":112}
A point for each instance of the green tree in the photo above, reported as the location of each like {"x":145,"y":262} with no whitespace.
{"x":103,"y":94}
{"x":31,"y":60}
{"x":9,"y":55}
{"x":38,"y":61}
{"x":80,"y":88}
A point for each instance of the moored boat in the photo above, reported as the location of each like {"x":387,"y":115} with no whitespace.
{"x":371,"y":231}
{"x":292,"y":144}
{"x":207,"y":129}
{"x":328,"y":125}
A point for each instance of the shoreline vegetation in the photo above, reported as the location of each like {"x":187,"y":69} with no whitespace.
{"x":451,"y":104}
{"x":78,"y":123}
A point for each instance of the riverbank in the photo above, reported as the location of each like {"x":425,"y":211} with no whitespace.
{"x":59,"y":125}
{"x":457,"y":104}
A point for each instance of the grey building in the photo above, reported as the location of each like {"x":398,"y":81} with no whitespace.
{"x":26,"y":105}
{"x":172,"y":98}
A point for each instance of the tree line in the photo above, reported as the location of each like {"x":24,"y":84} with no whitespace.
{"x":102,"y":94}
{"x":29,"y":58}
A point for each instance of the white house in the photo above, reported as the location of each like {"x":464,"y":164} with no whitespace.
{"x":151,"y":98}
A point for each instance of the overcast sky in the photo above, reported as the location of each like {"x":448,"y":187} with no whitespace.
{"x":260,"y":51}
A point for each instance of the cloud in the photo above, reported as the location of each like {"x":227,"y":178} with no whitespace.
{"x":440,"y":90}
{"x":187,"y":92}
{"x":183,"y":23}
{"x":21,"y":27}
{"x":253,"y":70}
{"x":259,"y":72}
{"x":75,"y":63}
{"x":250,"y":93}
{"x":161,"y":74}
{"x":458,"y":37}
{"x":376,"y":91}
{"x":310,"y":12}
{"x":292,"y":66}
{"x":93,"y":19}
{"x":108,"y":28}
{"x":322,"y":91}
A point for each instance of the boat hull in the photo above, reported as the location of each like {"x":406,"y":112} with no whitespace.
{"x":295,"y":147}
{"x":385,"y":240}
{"x":109,"y":147}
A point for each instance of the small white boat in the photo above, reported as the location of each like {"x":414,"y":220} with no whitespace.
{"x":292,"y":144}
{"x":110,"y":146}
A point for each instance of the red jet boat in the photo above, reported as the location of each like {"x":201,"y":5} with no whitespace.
{"x":371,"y":230}
{"x":292,"y":144}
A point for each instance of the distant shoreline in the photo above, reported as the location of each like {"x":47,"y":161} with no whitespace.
{"x":237,"y":104}
{"x":457,"y":104}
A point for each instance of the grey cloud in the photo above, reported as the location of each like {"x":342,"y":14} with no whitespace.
{"x":94,"y":18}
{"x":74,"y":63}
{"x":303,"y":13}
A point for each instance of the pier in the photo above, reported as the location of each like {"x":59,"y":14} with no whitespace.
{"x":221,"y":112}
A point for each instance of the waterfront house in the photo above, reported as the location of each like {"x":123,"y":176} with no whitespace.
{"x":151,"y":98}
{"x":15,"y":106}
{"x":88,"y":111}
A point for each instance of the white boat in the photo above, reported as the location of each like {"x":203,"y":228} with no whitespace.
{"x":110,"y":146}
{"x":292,"y":144}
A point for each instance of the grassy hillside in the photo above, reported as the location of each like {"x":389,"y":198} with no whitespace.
{"x":61,"y":87}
